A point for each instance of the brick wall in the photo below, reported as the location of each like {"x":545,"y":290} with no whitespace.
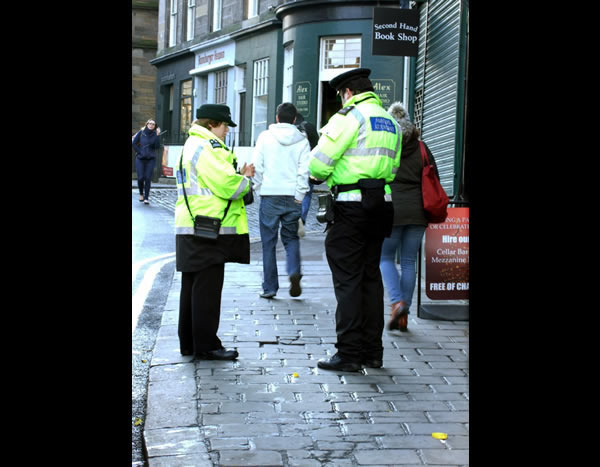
{"x":144,"y":28}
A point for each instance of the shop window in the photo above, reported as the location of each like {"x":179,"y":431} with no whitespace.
{"x":173,"y":24}
{"x":186,"y":108}
{"x":191,"y":19}
{"x":341,"y":52}
{"x":221,"y":87}
{"x":260,"y":92}
{"x":203,"y":89}
{"x":288,"y":72}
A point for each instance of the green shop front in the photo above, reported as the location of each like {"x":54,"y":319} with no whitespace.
{"x":322,"y":39}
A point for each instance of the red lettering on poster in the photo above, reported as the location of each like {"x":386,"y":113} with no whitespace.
{"x":447,"y":257}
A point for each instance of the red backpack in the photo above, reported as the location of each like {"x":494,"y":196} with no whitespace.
{"x":435,"y":200}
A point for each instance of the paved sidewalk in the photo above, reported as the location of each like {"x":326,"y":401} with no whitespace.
{"x":275,"y":407}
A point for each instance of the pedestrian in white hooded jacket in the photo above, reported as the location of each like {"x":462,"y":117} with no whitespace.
{"x":281,"y":158}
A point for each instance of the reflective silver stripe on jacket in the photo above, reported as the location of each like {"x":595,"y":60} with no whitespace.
{"x":324,"y":158}
{"x":241,"y":188}
{"x":190,"y":230}
{"x":362,"y":129}
{"x":194,"y":187}
{"x":361,"y":148}
{"x":195,"y":190}
{"x":362,"y":151}
{"x":348,"y":196}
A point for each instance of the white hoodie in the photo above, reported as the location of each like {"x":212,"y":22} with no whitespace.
{"x":281,"y":157}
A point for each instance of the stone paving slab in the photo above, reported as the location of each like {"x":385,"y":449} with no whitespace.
{"x":274,"y":406}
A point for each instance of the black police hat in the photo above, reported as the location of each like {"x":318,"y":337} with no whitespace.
{"x":218,"y":112}
{"x":342,"y":80}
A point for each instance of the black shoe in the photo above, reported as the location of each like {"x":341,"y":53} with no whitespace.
{"x":219,"y":354}
{"x":268,"y":294}
{"x":295,"y":289}
{"x":338,"y":363}
{"x":372,"y":363}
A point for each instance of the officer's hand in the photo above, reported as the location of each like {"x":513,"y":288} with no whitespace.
{"x":314,"y":181}
{"x":248,"y":170}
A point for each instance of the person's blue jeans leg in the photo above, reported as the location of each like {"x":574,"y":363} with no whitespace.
{"x":306,"y":203}
{"x":148,"y":169}
{"x":289,"y":234}
{"x":139,"y":170}
{"x":387,"y":264}
{"x":409,"y":251}
{"x":144,"y":169}
{"x":268,"y":220}
{"x":406,"y":238}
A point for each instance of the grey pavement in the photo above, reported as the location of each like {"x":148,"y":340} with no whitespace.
{"x":274,"y":407}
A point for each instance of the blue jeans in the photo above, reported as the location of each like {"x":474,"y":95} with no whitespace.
{"x":306,"y":203}
{"x":274,"y":210}
{"x":407,"y":238}
{"x":144,"y":169}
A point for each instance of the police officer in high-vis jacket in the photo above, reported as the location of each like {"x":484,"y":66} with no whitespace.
{"x":358,"y":154}
{"x":213,"y":188}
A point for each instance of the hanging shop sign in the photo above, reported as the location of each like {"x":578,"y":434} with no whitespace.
{"x":447,"y":257}
{"x":395,"y":32}
{"x":302,"y":98}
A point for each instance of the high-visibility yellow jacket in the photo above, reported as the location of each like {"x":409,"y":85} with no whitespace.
{"x":210,"y":182}
{"x":360,"y":141}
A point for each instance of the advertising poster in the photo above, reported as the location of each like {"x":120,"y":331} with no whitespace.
{"x":170,"y":160}
{"x":447,"y":257}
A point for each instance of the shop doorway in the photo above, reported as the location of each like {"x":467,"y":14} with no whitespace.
{"x":331,"y":103}
{"x":166,"y":93}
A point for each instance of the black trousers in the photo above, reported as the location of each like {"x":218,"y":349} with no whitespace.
{"x":353,"y":250}
{"x":200,"y":309}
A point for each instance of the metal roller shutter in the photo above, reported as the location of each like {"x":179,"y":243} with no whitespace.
{"x":436,"y":86}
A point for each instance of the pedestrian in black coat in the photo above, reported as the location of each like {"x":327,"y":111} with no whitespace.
{"x":145,"y":143}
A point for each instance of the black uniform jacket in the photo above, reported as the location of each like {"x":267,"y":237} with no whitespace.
{"x":195,"y":253}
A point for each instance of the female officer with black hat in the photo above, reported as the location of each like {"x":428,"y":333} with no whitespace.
{"x":358,"y":154}
{"x":214,"y":189}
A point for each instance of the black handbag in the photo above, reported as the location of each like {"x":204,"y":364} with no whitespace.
{"x":249,"y":197}
{"x":204,"y":226}
{"x":325,"y":214}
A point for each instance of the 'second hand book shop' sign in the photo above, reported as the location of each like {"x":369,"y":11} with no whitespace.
{"x":395,"y":32}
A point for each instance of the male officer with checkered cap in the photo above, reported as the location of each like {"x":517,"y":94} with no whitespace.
{"x":357,"y":155}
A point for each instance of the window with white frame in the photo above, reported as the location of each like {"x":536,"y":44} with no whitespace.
{"x":341,"y":52}
{"x":173,"y":24}
{"x":216,"y":15}
{"x":221,"y":87}
{"x":191,"y":19}
{"x":251,"y":8}
{"x":288,"y":72}
{"x":260,"y":92}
